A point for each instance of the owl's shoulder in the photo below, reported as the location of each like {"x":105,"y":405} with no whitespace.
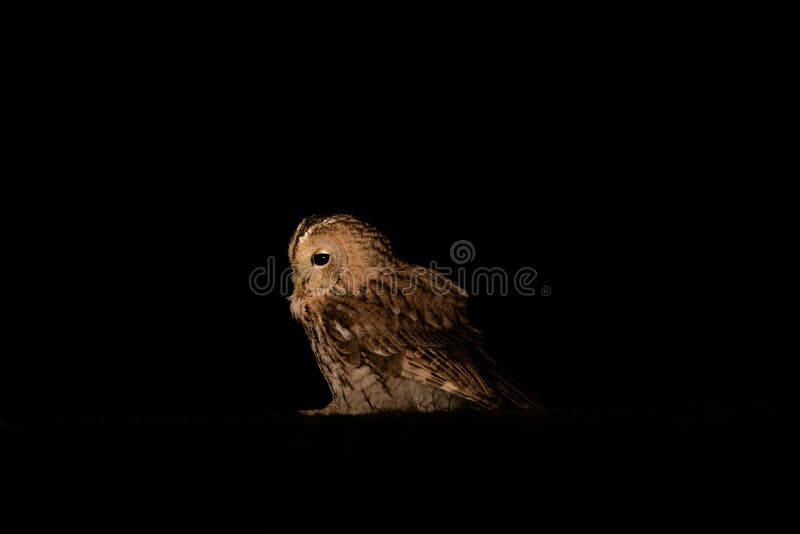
{"x":400,"y":300}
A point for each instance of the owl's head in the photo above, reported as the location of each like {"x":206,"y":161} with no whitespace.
{"x":333,"y":255}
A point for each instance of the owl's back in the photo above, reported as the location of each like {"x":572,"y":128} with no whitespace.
{"x":402,"y":341}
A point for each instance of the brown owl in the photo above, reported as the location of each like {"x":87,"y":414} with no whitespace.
{"x":388,"y":335}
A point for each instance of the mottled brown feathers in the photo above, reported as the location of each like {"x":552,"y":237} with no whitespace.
{"x":388,"y":335}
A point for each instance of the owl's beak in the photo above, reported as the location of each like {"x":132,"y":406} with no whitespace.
{"x":300,"y":281}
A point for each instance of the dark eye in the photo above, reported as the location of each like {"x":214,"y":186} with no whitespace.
{"x":320,"y":258}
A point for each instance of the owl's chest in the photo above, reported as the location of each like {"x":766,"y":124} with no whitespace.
{"x":345,"y":380}
{"x":358,"y":388}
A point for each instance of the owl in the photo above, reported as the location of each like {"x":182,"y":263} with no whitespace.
{"x":388,"y":335}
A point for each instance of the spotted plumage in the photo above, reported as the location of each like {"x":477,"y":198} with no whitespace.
{"x":388,"y":335}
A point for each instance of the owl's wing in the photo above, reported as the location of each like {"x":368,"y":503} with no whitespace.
{"x":404,"y":325}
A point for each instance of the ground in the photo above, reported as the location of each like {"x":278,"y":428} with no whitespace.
{"x":696,"y":468}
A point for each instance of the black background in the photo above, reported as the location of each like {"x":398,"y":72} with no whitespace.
{"x":142,"y":360}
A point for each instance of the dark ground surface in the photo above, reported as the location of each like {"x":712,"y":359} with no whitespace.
{"x":713,"y":468}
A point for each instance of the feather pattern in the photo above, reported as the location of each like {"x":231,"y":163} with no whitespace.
{"x":389,"y":335}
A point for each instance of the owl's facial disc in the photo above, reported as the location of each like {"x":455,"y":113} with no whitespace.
{"x":334,"y":255}
{"x":318,"y":265}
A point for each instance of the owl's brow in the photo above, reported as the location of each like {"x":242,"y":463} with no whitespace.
{"x":368,"y":233}
{"x":313,"y":223}
{"x":302,"y":232}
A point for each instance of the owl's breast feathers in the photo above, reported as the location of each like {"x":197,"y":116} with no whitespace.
{"x":410,"y":323}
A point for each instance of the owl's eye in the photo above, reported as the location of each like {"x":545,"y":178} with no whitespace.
{"x":320,"y":258}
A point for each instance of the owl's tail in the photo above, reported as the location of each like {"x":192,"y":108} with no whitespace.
{"x":516,"y":392}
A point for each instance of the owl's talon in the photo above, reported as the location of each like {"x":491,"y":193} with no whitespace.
{"x":328,"y":410}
